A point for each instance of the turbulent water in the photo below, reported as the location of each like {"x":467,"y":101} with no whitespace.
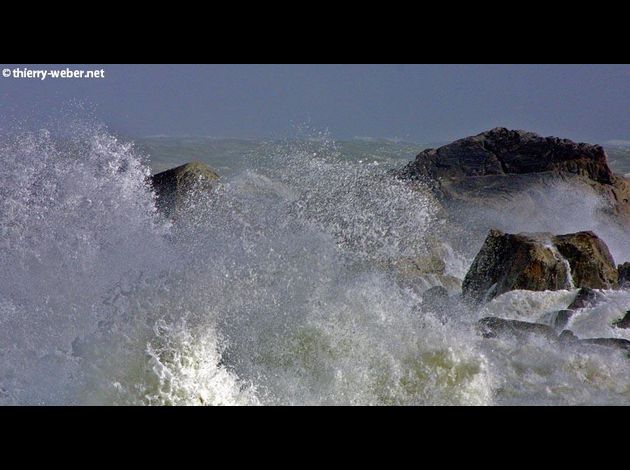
{"x":271,"y":289}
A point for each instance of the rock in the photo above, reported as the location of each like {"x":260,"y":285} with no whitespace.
{"x":436,"y":296}
{"x":173,"y":187}
{"x":585,"y":298}
{"x":623,"y":322}
{"x":502,"y":161}
{"x":507,"y":262}
{"x":491,"y":327}
{"x":592,"y":265}
{"x":501,"y":152}
{"x":538,"y":261}
{"x":623,"y":272}
{"x":616,"y":343}
{"x":567,"y":336}
{"x":422,"y":273}
{"x":562,"y":319}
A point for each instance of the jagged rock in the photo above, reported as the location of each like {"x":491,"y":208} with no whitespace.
{"x":173,"y":187}
{"x":502,"y":161}
{"x":623,"y":271}
{"x":592,"y":265}
{"x":491,"y":327}
{"x":538,"y":262}
{"x":623,"y":322}
{"x":508,"y":262}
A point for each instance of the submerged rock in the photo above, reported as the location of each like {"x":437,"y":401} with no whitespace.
{"x":508,"y":262}
{"x":585,"y":298}
{"x":562,"y":318}
{"x":538,"y":262}
{"x":491,"y":327}
{"x":617,"y":343}
{"x":436,"y":296}
{"x":423,"y":273}
{"x":173,"y":187}
{"x":623,"y":322}
{"x":502,"y":161}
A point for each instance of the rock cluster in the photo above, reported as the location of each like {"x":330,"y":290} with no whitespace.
{"x":485,"y":169}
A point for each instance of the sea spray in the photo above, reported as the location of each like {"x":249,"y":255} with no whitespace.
{"x":268,"y":290}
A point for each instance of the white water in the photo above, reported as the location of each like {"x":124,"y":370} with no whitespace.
{"x":269,"y":291}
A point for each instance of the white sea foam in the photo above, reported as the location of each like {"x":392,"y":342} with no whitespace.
{"x":270,"y":290}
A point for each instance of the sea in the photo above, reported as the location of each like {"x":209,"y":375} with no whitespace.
{"x":272,"y":288}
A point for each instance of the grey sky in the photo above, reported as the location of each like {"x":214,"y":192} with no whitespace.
{"x":422,"y":103}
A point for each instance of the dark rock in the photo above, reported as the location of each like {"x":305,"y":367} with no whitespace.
{"x":562,"y":319}
{"x":567,"y":336}
{"x":585,"y":298}
{"x":538,"y":261}
{"x":623,"y":271}
{"x":502,"y":161}
{"x":507,"y":262}
{"x":173,"y":187}
{"x":592,"y":265}
{"x":501,"y":152}
{"x":491,"y":327}
{"x":617,"y":343}
{"x":624,"y":322}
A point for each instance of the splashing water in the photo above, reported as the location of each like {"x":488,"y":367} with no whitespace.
{"x":269,"y":290}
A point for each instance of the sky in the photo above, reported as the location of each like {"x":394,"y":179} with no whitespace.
{"x":417,"y":103}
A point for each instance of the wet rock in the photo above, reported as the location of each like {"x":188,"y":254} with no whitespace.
{"x":616,"y":343}
{"x":173,"y":187}
{"x":592,"y":265}
{"x":623,"y":271}
{"x":500,"y":162}
{"x":437,"y":296}
{"x":562,"y":319}
{"x":508,"y":262}
{"x":423,"y":273}
{"x":623,"y":322}
{"x":567,"y":336}
{"x":538,"y":261}
{"x":491,"y":327}
{"x":501,"y":151}
{"x":585,"y":298}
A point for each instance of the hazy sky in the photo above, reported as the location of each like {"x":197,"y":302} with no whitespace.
{"x":422,"y":103}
